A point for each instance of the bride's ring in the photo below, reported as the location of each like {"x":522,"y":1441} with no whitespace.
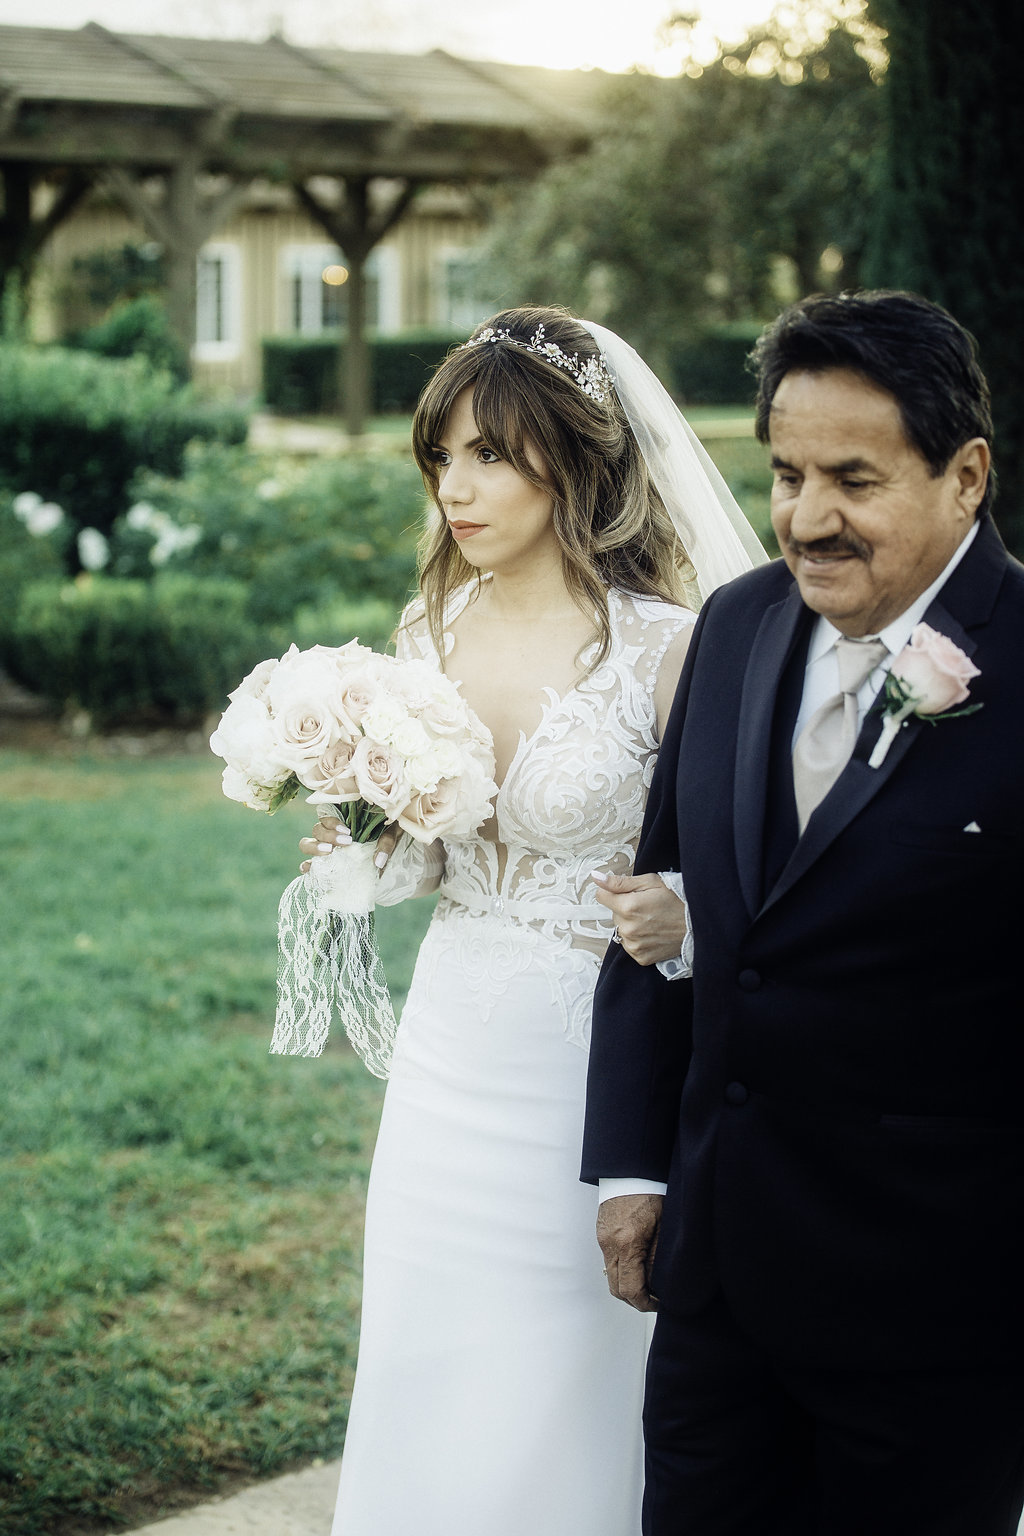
{"x":615,"y":936}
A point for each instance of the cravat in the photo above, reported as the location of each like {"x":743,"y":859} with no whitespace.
{"x":826,"y":742}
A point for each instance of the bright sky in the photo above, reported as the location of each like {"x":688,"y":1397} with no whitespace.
{"x":564,"y":34}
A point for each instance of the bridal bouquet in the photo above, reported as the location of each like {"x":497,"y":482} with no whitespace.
{"x":377,"y":741}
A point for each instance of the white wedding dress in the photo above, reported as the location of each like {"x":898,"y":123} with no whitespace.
{"x":499,"y":1387}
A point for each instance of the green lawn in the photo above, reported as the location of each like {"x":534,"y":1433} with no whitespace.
{"x":180,"y":1213}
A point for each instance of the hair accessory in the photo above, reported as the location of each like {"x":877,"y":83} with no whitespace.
{"x":591,"y":374}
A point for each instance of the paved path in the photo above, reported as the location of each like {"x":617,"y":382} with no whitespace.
{"x":298,"y":1504}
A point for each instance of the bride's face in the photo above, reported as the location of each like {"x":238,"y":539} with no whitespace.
{"x":500,"y":520}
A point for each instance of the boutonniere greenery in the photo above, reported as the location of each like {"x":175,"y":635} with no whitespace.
{"x":927,"y":678}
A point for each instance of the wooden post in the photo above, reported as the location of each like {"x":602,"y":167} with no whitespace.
{"x":22,"y":237}
{"x":356,"y":228}
{"x":181,"y":243}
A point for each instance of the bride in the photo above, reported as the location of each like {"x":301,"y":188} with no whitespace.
{"x":499,"y":1386}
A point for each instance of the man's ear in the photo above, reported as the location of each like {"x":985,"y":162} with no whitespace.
{"x":971,"y":465}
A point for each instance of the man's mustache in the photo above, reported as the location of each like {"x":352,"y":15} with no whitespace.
{"x":824,"y":549}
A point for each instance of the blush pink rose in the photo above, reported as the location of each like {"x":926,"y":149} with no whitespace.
{"x":331,"y":776}
{"x":431,"y":813}
{"x":378,"y":776}
{"x":934,"y":671}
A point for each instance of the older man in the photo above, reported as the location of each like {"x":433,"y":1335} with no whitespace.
{"x":836,"y":1100}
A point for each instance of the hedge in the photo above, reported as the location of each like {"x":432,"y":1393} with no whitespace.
{"x":77,"y":428}
{"x":711,"y":368}
{"x":301,"y":373}
{"x":165,"y":650}
{"x":169,"y":649}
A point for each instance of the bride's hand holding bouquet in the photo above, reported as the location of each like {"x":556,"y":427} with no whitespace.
{"x":380,"y":742}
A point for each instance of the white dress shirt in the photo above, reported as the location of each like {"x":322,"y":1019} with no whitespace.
{"x":821,"y":682}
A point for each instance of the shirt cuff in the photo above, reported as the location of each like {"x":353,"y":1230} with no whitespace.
{"x":610,"y":1189}
{"x":680,"y":967}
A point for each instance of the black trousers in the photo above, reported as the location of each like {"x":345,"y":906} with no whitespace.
{"x":740,"y":1445}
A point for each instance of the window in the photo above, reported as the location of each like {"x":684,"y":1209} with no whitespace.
{"x":315,"y":289}
{"x":459,"y":304}
{"x":218,"y":302}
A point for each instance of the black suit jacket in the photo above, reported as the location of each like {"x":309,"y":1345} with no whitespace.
{"x":837,"y":1100}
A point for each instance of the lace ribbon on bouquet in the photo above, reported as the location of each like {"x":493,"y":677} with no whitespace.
{"x":328,"y":965}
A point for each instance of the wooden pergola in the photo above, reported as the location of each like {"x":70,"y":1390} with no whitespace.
{"x":130,"y":114}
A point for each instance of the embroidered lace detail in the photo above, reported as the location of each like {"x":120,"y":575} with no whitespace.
{"x":572,"y":801}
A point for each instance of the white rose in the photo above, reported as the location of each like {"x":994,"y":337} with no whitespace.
{"x":442,"y":760}
{"x":384,"y":716}
{"x":302,"y":731}
{"x":308,"y":677}
{"x":245,"y":740}
{"x":255,"y":682}
{"x":409,"y":738}
{"x":237,"y":786}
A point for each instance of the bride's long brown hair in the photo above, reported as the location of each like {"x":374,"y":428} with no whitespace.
{"x":609,"y":520}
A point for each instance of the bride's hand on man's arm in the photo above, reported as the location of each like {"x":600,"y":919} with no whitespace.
{"x":330,"y":833}
{"x":650,"y":919}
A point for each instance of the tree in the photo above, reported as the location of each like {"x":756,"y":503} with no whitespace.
{"x":699,"y":190}
{"x":950,"y":214}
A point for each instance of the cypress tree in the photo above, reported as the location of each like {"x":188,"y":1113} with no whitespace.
{"x":949,"y":219}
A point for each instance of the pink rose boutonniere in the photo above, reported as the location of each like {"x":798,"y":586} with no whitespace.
{"x":927,"y":678}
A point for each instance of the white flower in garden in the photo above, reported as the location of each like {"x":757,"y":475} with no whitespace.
{"x":25,"y":504}
{"x":142,"y":516}
{"x":93,"y":549}
{"x":171,"y":539}
{"x":43,"y":519}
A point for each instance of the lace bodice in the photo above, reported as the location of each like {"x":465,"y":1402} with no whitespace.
{"x":573,"y":797}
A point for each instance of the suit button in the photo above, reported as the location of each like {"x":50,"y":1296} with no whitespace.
{"x":735,"y":1093}
{"x":749,"y":981}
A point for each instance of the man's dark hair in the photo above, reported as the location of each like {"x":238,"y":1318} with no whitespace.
{"x":906,"y":345}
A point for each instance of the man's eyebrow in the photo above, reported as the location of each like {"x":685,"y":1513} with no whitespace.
{"x":844,"y":467}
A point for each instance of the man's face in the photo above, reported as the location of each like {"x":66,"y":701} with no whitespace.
{"x":861,"y":521}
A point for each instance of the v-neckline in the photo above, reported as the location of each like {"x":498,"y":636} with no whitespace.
{"x":555,"y":700}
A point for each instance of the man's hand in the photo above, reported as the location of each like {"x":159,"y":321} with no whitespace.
{"x":627,"y":1229}
{"x":650,"y":918}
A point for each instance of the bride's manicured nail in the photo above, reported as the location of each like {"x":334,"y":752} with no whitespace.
{"x":380,"y":859}
{"x":595,"y":874}
{"x":343,"y":837}
{"x":325,"y":847}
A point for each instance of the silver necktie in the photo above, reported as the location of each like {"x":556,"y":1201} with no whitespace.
{"x":826,"y":742}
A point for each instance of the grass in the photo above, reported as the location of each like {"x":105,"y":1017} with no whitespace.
{"x":180,"y":1214}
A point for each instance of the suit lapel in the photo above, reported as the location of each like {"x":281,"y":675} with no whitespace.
{"x":971,"y":589}
{"x":780,"y":629}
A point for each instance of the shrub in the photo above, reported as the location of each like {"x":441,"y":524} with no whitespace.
{"x":301,"y":374}
{"x":166,"y":649}
{"x":711,"y":368}
{"x":136,"y":328}
{"x":307,"y":533}
{"x":33,"y":542}
{"x":77,"y":428}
